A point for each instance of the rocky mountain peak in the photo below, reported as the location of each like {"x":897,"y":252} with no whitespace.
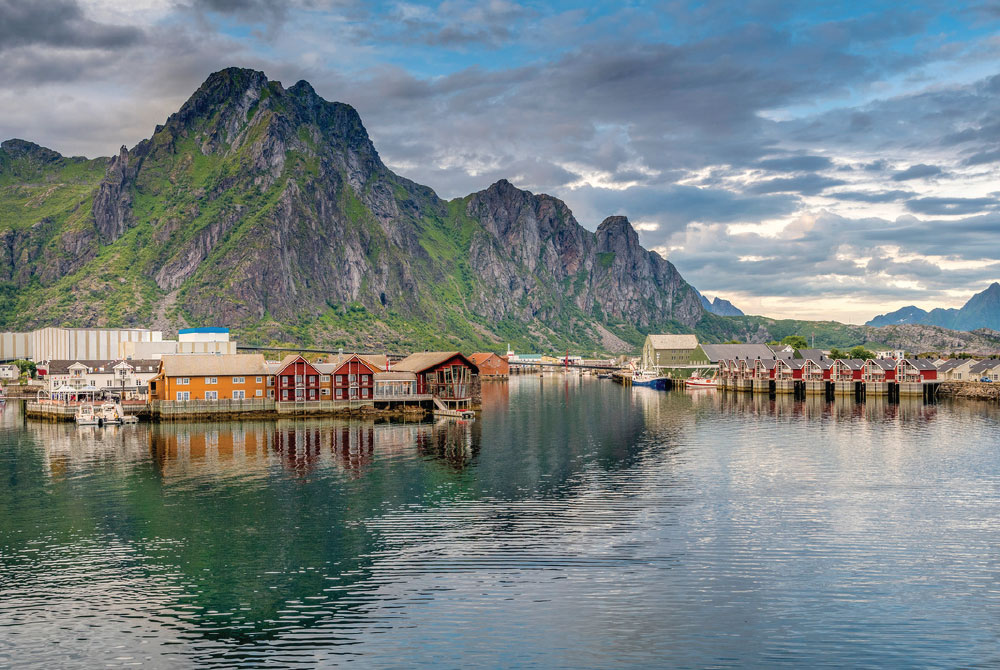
{"x":16,"y":148}
{"x":616,"y":234}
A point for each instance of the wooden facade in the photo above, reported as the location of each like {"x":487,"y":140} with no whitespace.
{"x":491,"y":365}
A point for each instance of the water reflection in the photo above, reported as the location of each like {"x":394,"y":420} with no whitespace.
{"x":578,"y":523}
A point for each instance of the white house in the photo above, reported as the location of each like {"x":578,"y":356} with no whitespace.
{"x":114,"y":375}
{"x":9,"y":371}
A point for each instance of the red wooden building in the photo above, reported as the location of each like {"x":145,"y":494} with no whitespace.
{"x":490,"y":364}
{"x":446,"y":375}
{"x":916,"y":370}
{"x":296,"y":379}
{"x":880,"y":370}
{"x":351,"y":377}
{"x":847,"y":370}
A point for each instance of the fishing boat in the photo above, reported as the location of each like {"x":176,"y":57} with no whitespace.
{"x":108,"y":414}
{"x":648,"y":378}
{"x":698,"y":382}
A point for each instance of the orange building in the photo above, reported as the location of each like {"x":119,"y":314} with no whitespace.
{"x":491,"y":365}
{"x":211,"y":377}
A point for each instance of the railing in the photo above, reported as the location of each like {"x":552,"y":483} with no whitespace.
{"x":212,"y":406}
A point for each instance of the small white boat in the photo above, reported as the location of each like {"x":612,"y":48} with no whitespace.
{"x":108,"y":414}
{"x":85,"y":416}
{"x":697,"y":382}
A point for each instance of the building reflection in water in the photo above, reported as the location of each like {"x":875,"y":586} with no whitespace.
{"x":301,"y":446}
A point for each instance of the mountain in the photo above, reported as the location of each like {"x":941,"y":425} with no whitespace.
{"x":720,"y":307}
{"x":981,"y":311}
{"x":269,"y":210}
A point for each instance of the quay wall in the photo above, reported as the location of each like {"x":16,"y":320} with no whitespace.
{"x":969,"y":389}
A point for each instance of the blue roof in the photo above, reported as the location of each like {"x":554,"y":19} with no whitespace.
{"x":208,"y":329}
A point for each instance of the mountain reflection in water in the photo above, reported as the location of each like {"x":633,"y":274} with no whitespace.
{"x":576,"y":523}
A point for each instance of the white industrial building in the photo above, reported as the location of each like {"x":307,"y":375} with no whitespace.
{"x":67,"y":344}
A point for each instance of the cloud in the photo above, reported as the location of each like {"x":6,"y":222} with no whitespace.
{"x":809,"y":184}
{"x":946,"y":206}
{"x":919,"y":171}
{"x":796,"y":164}
{"x":872,"y":196}
{"x":59,"y":24}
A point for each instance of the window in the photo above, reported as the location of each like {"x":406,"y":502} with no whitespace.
{"x":324,"y":391}
{"x":212,"y":380}
{"x":286,"y":380}
{"x":260,"y":393}
{"x":270,"y":393}
{"x":260,"y":380}
{"x":284,"y":395}
{"x":364,"y":393}
{"x":325,"y":379}
{"x":366,"y":379}
{"x":239,"y":395}
{"x":312,"y":380}
{"x":183,"y":380}
{"x":354,"y":393}
{"x":211,"y":395}
{"x":340,"y":394}
{"x":340,"y":380}
{"x":183,"y":395}
{"x":239,"y":380}
{"x":270,"y":381}
{"x":352,"y":378}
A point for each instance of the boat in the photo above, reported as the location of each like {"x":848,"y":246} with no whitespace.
{"x":698,"y":382}
{"x":85,"y":416}
{"x":604,"y":375}
{"x":3,"y":395}
{"x":648,"y":378}
{"x":108,"y":414}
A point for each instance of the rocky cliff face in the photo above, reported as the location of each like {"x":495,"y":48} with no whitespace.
{"x":269,"y":210}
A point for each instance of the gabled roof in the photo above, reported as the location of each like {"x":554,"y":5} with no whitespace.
{"x":812,"y":354}
{"x":884,"y":363}
{"x":213,"y":365}
{"x":793,"y":363}
{"x":718,"y":352}
{"x":427,"y":360}
{"x":920,"y":363}
{"x":482,"y":357}
{"x":285,"y":362}
{"x":952,"y":363}
{"x":376,"y":363}
{"x":824,"y":364}
{"x":852,"y":363}
{"x":673,"y":341}
{"x":767,"y":363}
{"x":984,"y":366}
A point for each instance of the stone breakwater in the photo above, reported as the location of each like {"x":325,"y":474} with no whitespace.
{"x":974,"y":390}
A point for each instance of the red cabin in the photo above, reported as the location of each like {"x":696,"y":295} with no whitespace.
{"x":880,"y":370}
{"x":353,"y":378}
{"x":296,"y":380}
{"x":447,"y":375}
{"x":847,"y":370}
{"x":788,"y":368}
{"x":916,"y":370}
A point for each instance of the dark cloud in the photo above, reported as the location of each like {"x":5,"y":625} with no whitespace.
{"x":796,"y":164}
{"x":944,"y":206}
{"x":808,"y":184}
{"x":919,"y":171}
{"x":59,"y":24}
{"x":982,"y":158}
{"x":872,"y":196}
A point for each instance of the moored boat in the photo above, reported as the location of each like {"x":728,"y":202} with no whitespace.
{"x":648,"y":378}
{"x":86,"y":416}
{"x":697,"y":382}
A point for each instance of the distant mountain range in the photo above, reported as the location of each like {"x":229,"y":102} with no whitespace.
{"x":720,"y":307}
{"x":982,"y":311}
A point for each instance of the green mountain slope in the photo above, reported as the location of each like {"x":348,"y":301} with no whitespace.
{"x":268,"y":210}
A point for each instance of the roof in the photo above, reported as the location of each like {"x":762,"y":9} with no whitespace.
{"x":768,"y":363}
{"x":208,"y":329}
{"x":139,"y":365}
{"x":718,"y":352}
{"x":884,"y":363}
{"x":852,"y":363}
{"x":812,"y":354}
{"x":213,"y":365}
{"x":376,"y":361}
{"x":793,"y":363}
{"x":426,"y":360}
{"x":482,"y":357}
{"x":673,"y":341}
{"x":951,"y":364}
{"x":921,"y":363}
{"x":983,"y":366}
{"x":395,"y":376}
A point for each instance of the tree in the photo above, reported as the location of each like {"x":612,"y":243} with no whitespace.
{"x":26,"y":367}
{"x":860,"y":352}
{"x":795,"y":341}
{"x":836,"y":353}
{"x":733,"y":342}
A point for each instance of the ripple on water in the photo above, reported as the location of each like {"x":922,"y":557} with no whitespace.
{"x":577,"y":524}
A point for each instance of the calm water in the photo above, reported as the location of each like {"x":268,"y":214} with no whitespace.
{"x":577,"y":524}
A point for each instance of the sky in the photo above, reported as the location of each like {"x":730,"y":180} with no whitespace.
{"x":830,"y":160}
